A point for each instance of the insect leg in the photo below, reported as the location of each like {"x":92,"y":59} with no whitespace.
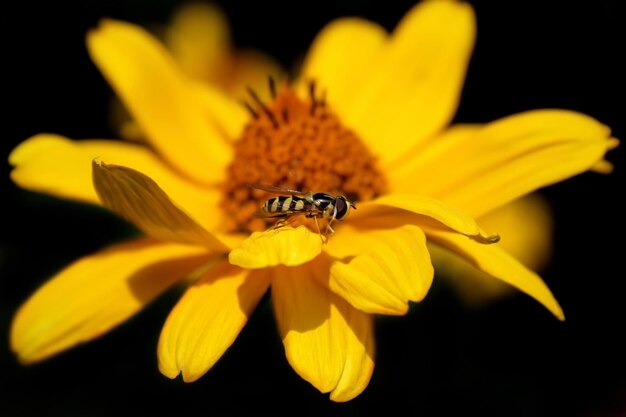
{"x":328,"y":228}
{"x":319,"y":232}
{"x":285,"y":220}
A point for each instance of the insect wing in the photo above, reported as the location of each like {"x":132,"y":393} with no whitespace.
{"x":277,"y":190}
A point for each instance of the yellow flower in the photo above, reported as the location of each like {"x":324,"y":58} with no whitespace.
{"x":373,"y":126}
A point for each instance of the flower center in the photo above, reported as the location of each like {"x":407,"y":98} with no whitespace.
{"x":300,"y":145}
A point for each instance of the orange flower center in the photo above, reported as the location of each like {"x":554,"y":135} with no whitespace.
{"x":300,"y":145}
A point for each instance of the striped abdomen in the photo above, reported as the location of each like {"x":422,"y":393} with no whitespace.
{"x":283,"y":205}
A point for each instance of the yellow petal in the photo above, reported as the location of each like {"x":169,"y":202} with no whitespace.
{"x":61,"y":167}
{"x":359,"y":344}
{"x":327,"y":342}
{"x":336,"y":65}
{"x":138,"y":199}
{"x":96,"y":293}
{"x":160,"y":99}
{"x":412,"y":90}
{"x":393,"y":270}
{"x":207,"y":319}
{"x":603,"y":166}
{"x":392,"y":209}
{"x":53,"y":165}
{"x":284,"y":246}
{"x":489,"y":167}
{"x":199,"y":39}
{"x":228,"y":116}
{"x":495,"y":261}
{"x":526,"y":228}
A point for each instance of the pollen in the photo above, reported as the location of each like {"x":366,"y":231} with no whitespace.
{"x":299,"y":144}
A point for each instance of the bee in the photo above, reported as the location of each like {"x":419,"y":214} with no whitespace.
{"x":292,"y":204}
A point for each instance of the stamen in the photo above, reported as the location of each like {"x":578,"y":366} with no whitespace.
{"x":272,"y":84}
{"x":312,"y":96}
{"x":251,"y":110}
{"x":265,"y":109}
{"x":323,"y":100}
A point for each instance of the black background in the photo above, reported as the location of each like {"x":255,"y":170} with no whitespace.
{"x":508,"y":359}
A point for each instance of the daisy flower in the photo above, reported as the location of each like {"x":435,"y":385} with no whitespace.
{"x":368,"y":119}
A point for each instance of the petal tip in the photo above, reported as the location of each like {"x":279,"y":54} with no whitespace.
{"x":558,"y":312}
{"x":171,"y":373}
{"x":490,"y":239}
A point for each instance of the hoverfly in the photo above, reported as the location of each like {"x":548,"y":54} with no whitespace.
{"x":292,"y":204}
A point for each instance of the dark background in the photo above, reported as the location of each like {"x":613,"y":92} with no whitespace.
{"x":508,"y":359}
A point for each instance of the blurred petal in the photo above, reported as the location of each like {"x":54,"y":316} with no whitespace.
{"x":160,"y":99}
{"x":252,"y":69}
{"x":336,"y":65}
{"x":199,"y":39}
{"x":138,"y":199}
{"x":475,"y":288}
{"x":207,"y":319}
{"x":394,"y":270}
{"x":283,"y":246}
{"x":603,"y":166}
{"x":495,"y":261}
{"x":61,"y":167}
{"x":327,"y":342}
{"x":394,"y":207}
{"x":96,"y":293}
{"x":412,"y":90}
{"x":489,"y":167}
{"x":526,"y":228}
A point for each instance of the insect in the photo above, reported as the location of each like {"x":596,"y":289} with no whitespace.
{"x":292,"y":204}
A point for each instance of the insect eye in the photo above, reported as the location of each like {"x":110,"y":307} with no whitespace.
{"x":322,"y":197}
{"x":342,"y":207}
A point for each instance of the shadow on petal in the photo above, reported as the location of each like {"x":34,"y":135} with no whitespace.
{"x":148,"y":281}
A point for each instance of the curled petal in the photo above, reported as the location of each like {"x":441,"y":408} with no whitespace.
{"x":392,"y":268}
{"x":399,"y":208}
{"x":96,"y":293}
{"x":207,"y":319}
{"x":284,"y":246}
{"x":138,"y":199}
{"x":327,"y":342}
{"x":496,"y":262}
